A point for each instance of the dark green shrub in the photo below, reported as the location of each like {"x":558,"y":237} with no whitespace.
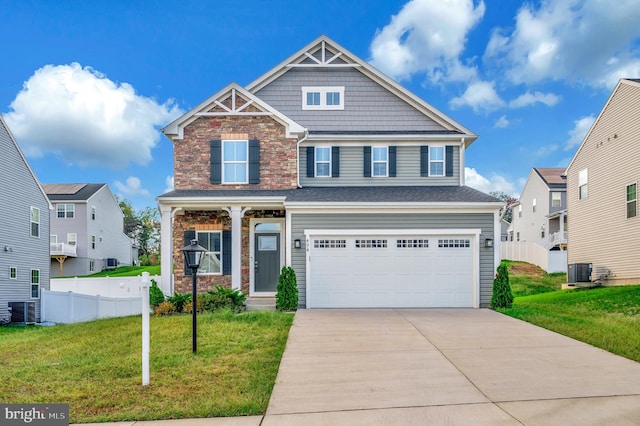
{"x":165,"y":308}
{"x":287,"y":290}
{"x":179,"y":299}
{"x":156,"y":296}
{"x":502,"y":297}
{"x":223,"y":298}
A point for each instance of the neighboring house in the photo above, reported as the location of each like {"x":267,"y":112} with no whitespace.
{"x":87,"y":230}
{"x":540,"y":216}
{"x":327,"y":165}
{"x":24,"y":230}
{"x":602,"y":188}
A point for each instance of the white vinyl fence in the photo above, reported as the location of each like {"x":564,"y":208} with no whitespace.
{"x":71,"y":300}
{"x":550,"y":261}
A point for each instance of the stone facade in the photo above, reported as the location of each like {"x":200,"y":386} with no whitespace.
{"x":212,"y":221}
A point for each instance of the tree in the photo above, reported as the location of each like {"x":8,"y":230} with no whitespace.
{"x":509,"y":201}
{"x":502,"y":297}
{"x":144,"y":229}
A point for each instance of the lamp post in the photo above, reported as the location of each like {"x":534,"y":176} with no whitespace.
{"x":192,"y":256}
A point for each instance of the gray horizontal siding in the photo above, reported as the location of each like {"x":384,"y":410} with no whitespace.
{"x":483,"y":221}
{"x":407,"y":167}
{"x":18,"y":192}
{"x":368,"y":105}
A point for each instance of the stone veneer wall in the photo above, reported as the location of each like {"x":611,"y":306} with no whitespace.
{"x":212,"y":221}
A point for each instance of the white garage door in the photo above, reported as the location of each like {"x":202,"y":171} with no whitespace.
{"x":375,"y":271}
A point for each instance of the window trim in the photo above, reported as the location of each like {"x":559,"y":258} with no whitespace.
{"x":559,"y":200}
{"x":432,"y":161}
{"x":634,"y":201}
{"x":72,"y":241}
{"x":316,"y":161}
{"x":32,"y":210}
{"x":93,"y":212}
{"x":219,"y":232}
{"x":225,"y":162}
{"x":35,"y":283}
{"x":323,"y":91}
{"x":13,"y":272}
{"x":534,"y":203}
{"x":93,"y":242}
{"x":374,"y":161}
{"x":583,"y":182}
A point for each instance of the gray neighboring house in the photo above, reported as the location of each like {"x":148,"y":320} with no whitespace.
{"x":540,"y":215}
{"x":329,"y":166}
{"x":87,"y":230}
{"x":602,"y":188}
{"x":24,"y":232}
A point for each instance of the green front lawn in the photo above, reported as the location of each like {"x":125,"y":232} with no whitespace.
{"x":95,"y":367}
{"x":606,"y":317}
{"x":126,"y":271}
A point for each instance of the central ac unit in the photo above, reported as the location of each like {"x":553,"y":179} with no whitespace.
{"x":23,"y":312}
{"x":579,"y":272}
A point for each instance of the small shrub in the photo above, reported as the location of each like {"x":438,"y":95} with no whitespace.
{"x":224,"y":298}
{"x":165,"y":308}
{"x":502,"y":298}
{"x":188,"y":307}
{"x":287,"y":290}
{"x":179,"y":299}
{"x":156,"y":296}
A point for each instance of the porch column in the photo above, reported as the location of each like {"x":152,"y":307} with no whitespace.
{"x":166,"y":248}
{"x":562,"y":214}
{"x":236,"y":213}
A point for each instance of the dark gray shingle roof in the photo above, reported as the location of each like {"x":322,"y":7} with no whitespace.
{"x":353,"y":194}
{"x":80,"y":195}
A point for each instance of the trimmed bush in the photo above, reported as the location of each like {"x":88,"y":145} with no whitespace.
{"x":156,"y":296}
{"x":223,"y":298}
{"x":502,"y":298}
{"x":187,"y":308}
{"x":287,"y":295}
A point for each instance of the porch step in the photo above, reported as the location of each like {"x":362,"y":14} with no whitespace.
{"x":260,"y":303}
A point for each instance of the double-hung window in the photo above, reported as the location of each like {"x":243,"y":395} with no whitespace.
{"x":235,"y":155}
{"x":93,"y":242}
{"x":211,"y":261}
{"x":13,"y":273}
{"x":380,"y":161}
{"x":35,"y":283}
{"x":556,"y":199}
{"x":66,"y":211}
{"x":533,"y":205}
{"x":35,"y":222}
{"x":632,"y":200}
{"x":323,"y":98}
{"x":323,"y":161}
{"x":436,"y":161}
{"x":583,"y":183}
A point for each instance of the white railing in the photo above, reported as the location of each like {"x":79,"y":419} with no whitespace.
{"x":62,"y":249}
{"x":118,"y":287}
{"x":549,"y":260}
{"x":69,"y":307}
{"x":558,"y":238}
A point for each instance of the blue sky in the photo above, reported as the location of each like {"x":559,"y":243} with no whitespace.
{"x":86,"y":86}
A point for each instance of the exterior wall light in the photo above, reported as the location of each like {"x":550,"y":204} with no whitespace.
{"x":297,"y":244}
{"x":488,"y":242}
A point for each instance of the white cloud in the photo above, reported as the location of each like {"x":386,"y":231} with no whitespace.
{"x":85,"y":118}
{"x":131,"y":188}
{"x":169,"y":182}
{"x":528,"y":98}
{"x":580,"y":41}
{"x":502,"y":123}
{"x":580,"y":129}
{"x":481,"y":96}
{"x":495,"y":183}
{"x":427,"y":36}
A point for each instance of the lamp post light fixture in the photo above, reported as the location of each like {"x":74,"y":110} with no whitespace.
{"x":192,"y":256}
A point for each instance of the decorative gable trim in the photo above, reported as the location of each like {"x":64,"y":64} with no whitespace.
{"x":331,"y":54}
{"x":240,"y":102}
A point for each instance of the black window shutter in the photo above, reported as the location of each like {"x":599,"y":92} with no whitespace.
{"x":226,"y":253}
{"x":448,"y":160}
{"x":254,"y":161}
{"x":311,"y":161}
{"x":424,"y":160}
{"x":367,"y":161}
{"x":188,"y":236}
{"x":335,"y":161}
{"x":392,"y":161}
{"x":216,"y":161}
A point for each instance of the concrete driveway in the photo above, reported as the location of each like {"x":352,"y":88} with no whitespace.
{"x":445,"y":366}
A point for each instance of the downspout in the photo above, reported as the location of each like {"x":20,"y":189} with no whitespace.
{"x":306,"y":135}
